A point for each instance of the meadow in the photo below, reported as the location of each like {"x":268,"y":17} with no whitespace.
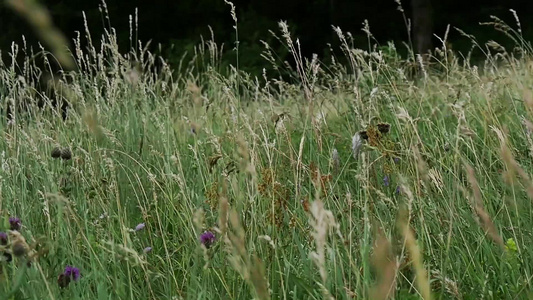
{"x":379,"y":178}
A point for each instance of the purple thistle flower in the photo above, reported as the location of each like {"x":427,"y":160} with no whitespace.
{"x":386,"y":180}
{"x":3,"y":238}
{"x":72,"y":273}
{"x":207,"y":238}
{"x":147,"y":249}
{"x":139,"y":227}
{"x":15,"y":223}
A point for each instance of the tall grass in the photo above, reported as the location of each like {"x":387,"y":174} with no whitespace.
{"x":438,"y":204}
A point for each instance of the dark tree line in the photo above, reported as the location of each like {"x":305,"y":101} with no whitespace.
{"x":181,"y":22}
{"x":422,"y":24}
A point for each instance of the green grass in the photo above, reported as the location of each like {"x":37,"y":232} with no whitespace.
{"x":195,"y":151}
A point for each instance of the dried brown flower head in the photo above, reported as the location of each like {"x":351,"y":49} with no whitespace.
{"x":213,"y":161}
{"x":19,"y":249}
{"x":66,"y":154}
{"x":384,"y":127}
{"x":56,"y":152}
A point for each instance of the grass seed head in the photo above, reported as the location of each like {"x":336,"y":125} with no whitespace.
{"x":357,"y":143}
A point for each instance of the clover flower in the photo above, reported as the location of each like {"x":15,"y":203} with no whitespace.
{"x":386,"y":180}
{"x":140,"y":227}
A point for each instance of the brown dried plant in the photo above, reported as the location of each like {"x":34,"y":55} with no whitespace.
{"x":486,"y":222}
{"x":386,"y":267}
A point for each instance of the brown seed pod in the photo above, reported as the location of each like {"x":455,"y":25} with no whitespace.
{"x":63,"y":280}
{"x":213,"y":161}
{"x":7,"y":257}
{"x":305,"y":204}
{"x":66,"y":154}
{"x":19,"y":249}
{"x":384,"y":127}
{"x":56,"y":152}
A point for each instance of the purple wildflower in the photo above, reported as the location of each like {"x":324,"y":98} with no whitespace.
{"x":3,"y":238}
{"x":15,"y":223}
{"x":398,"y":190}
{"x":147,"y":249}
{"x":396,"y":160}
{"x":139,"y":227}
{"x":207,"y":238}
{"x":72,"y":273}
{"x":386,"y":180}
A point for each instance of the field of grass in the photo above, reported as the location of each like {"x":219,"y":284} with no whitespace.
{"x":359,"y":181}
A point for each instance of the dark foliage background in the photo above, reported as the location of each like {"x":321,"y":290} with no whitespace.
{"x":182,"y":22}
